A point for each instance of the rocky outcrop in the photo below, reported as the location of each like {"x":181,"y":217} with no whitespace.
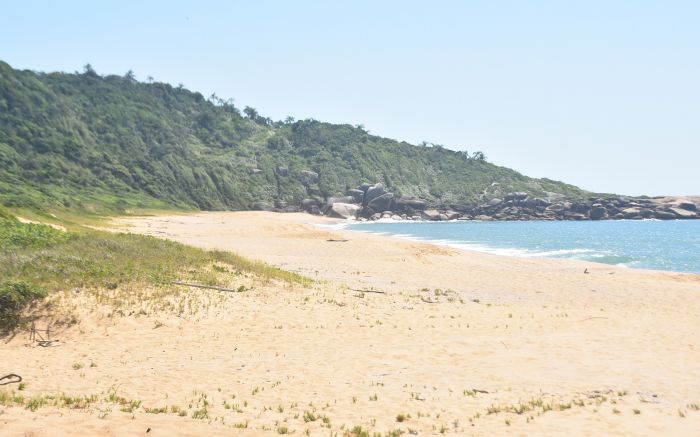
{"x":373,"y":202}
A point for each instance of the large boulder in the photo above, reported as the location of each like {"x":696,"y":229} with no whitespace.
{"x":495,"y":202}
{"x":372,"y":193}
{"x":430,"y":214}
{"x":688,"y":206}
{"x":408,"y":204}
{"x":664,"y":215}
{"x":357,"y":194}
{"x":308,"y":177}
{"x":683,"y":213}
{"x":381,"y":203}
{"x":646,"y":212}
{"x":452,"y":215}
{"x":307,"y":204}
{"x":262,"y":206}
{"x":364,"y":187}
{"x":536,"y":202}
{"x":598,"y":213}
{"x":341,"y":199}
{"x":631,"y":213}
{"x":343,"y":210}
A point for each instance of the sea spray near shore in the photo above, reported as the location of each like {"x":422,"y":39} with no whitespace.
{"x":650,"y":244}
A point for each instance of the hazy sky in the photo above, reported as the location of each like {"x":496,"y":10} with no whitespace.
{"x":604,"y":95}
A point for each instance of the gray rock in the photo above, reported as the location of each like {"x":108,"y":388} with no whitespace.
{"x":364,"y":187}
{"x":536,"y":202}
{"x":646,"y":213}
{"x":306,"y":204}
{"x":484,"y":218}
{"x":688,"y":206}
{"x":308,"y":177}
{"x":341,"y":199}
{"x":358,"y":195}
{"x":631,"y":213}
{"x":262,"y":206}
{"x":381,"y":203}
{"x":343,"y":210}
{"x":598,"y":213}
{"x":409,"y":204}
{"x":664,"y":215}
{"x":372,"y":193}
{"x":683,"y":213}
{"x":452,"y":215}
{"x":281,"y":171}
{"x":430,"y":214}
{"x":494,"y":202}
{"x":516,"y":196}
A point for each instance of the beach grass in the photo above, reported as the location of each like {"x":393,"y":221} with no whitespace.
{"x":37,"y":260}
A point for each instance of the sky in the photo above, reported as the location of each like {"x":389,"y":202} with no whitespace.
{"x":601,"y":94}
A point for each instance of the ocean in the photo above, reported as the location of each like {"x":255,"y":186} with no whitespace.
{"x":647,"y":244}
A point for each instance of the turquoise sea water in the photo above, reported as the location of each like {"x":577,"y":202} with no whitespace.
{"x":650,"y":244}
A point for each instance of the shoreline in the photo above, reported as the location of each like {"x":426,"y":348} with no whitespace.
{"x":345,"y":224}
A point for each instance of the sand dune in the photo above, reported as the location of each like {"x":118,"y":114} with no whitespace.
{"x":462,"y":343}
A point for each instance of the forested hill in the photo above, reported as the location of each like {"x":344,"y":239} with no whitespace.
{"x":89,"y":141}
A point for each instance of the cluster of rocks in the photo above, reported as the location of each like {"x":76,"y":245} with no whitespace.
{"x":374,"y":202}
{"x":368,"y":202}
{"x":520,"y":206}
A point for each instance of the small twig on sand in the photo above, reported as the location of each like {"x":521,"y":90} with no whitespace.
{"x":505,"y":346}
{"x":591,"y":318}
{"x":333,"y":240}
{"x":428,"y":301}
{"x":187,"y":284}
{"x":368,"y":291}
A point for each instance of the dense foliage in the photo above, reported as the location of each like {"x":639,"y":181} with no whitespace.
{"x":88,"y":141}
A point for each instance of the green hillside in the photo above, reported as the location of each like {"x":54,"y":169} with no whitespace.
{"x":86,"y":141}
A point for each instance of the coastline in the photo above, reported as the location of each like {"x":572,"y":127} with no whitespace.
{"x":614,"y":256}
{"x":464,"y":343}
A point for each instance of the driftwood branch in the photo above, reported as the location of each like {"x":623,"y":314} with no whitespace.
{"x":335,"y":240}
{"x":12,"y":378}
{"x":368,"y":291}
{"x":212,"y":287}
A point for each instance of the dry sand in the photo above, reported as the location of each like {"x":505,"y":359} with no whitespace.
{"x":465,"y":343}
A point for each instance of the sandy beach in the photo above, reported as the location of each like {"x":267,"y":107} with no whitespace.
{"x":391,"y":336}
